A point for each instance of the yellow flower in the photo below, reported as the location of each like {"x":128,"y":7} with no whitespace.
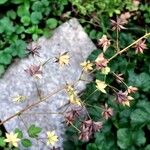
{"x":19,"y":98}
{"x":73,"y":98}
{"x":101,"y":85}
{"x":105,"y":70}
{"x":12,"y":139}
{"x":52,"y":138}
{"x":87,"y":66}
{"x":63,"y":59}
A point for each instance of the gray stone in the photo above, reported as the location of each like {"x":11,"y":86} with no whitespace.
{"x":69,"y":37}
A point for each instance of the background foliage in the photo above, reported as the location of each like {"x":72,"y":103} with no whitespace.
{"x":22,"y":21}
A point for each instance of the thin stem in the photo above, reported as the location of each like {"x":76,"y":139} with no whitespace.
{"x":117,"y":41}
{"x":126,"y":48}
{"x":74,"y":127}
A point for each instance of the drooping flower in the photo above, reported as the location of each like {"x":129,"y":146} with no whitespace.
{"x":101,"y":62}
{"x":132,"y":89}
{"x":140,"y":46}
{"x":12,"y":138}
{"x":118,"y":24}
{"x":52,"y":138}
{"x":107,"y":112}
{"x":72,"y":94}
{"x":88,"y":128}
{"x":87,"y":66}
{"x":101,"y":85}
{"x":35,"y":71}
{"x":104,"y":42}
{"x":63,"y":59}
{"x":19,"y":98}
{"x":123,"y":98}
{"x":71,"y":115}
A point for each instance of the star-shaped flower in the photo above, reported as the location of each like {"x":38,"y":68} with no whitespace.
{"x":51,"y":138}
{"x":101,"y":85}
{"x":12,"y":138}
{"x":63,"y":59}
{"x":87,"y":66}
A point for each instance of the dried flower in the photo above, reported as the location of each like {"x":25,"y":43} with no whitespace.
{"x":118,"y":24}
{"x":33,"y":49}
{"x":87,"y":66}
{"x":140,"y":46}
{"x":104,"y":42}
{"x":132,"y":89}
{"x":101,"y":62}
{"x":51,"y":138}
{"x":88,"y":128}
{"x":124,"y":17}
{"x":107,"y":112}
{"x":73,"y":98}
{"x":119,"y":78}
{"x":35,"y":71}
{"x":12,"y":139}
{"x":101,"y":85}
{"x":123,"y":98}
{"x":71,"y":115}
{"x":63,"y":59}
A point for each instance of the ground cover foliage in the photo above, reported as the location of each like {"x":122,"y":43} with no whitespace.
{"x":118,"y":107}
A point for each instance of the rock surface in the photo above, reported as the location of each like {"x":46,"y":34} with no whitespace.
{"x":69,"y":37}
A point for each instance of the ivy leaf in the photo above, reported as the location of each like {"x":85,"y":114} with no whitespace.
{"x":140,"y":116}
{"x":33,"y":131}
{"x":139,"y":137}
{"x":124,"y":138}
{"x":51,"y":23}
{"x":2,"y":142}
{"x":141,"y":80}
{"x":26,"y":143}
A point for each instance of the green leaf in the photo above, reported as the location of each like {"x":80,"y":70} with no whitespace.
{"x":11,"y":14}
{"x":139,"y":137}
{"x":20,"y":134}
{"x":25,"y":20}
{"x":3,"y":1}
{"x":139,"y":117}
{"x":147,"y":147}
{"x":93,"y":34}
{"x":23,"y":10}
{"x":5,"y":58}
{"x":142,"y":80}
{"x":19,"y":48}
{"x":91,"y":146}
{"x":26,"y":143}
{"x":36,"y":17}
{"x":124,"y":138}
{"x":2,"y":69}
{"x":17,"y":1}
{"x":2,"y":142}
{"x":33,"y":131}
{"x":51,"y":23}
